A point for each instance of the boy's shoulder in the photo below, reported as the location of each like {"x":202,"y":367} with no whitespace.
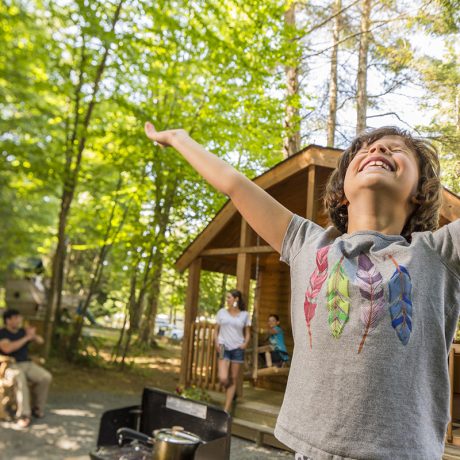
{"x":445,"y":242}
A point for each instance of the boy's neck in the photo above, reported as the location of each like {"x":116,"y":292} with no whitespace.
{"x":386,"y":218}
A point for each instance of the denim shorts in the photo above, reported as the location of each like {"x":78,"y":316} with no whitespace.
{"x":235,"y":356}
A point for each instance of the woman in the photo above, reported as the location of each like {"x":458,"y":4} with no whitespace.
{"x":232,"y":338}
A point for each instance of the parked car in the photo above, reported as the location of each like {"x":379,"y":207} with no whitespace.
{"x":175,"y":333}
{"x":162,"y":324}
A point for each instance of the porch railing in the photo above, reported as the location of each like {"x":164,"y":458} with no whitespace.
{"x":202,"y":359}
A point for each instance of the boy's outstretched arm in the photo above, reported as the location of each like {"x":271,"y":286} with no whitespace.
{"x":265,"y":215}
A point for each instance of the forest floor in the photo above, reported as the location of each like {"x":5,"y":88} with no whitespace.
{"x":79,"y":395}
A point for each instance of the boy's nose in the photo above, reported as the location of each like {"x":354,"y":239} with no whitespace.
{"x":378,"y":148}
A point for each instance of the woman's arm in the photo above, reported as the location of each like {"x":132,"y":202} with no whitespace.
{"x":216,"y":337}
{"x":265,"y":215}
{"x":247,"y":337}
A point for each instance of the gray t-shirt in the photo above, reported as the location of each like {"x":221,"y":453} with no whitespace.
{"x":231,"y":332}
{"x":373,"y":318}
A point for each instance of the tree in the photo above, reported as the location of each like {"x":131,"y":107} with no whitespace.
{"x":333,"y":90}
{"x":291,"y":143}
{"x":361,"y":94}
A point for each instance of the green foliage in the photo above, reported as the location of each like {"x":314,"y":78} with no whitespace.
{"x":213,"y":68}
{"x":194,"y":393}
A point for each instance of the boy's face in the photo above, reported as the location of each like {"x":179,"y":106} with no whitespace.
{"x":386,"y":166}
{"x":272,"y":322}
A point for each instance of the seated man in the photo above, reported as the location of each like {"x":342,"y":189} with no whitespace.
{"x":14,"y":342}
{"x":279,"y":354}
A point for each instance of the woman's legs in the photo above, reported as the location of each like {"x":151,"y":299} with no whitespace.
{"x":223,"y":372}
{"x":231,"y":389}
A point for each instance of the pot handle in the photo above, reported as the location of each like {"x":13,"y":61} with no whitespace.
{"x":128,"y":433}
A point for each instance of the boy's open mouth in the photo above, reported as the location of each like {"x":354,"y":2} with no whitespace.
{"x":377,"y":162}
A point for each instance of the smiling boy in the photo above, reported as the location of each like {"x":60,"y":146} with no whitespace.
{"x":374,"y":298}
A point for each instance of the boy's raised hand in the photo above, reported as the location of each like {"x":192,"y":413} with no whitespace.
{"x":265,"y":215}
{"x":164,"y":138}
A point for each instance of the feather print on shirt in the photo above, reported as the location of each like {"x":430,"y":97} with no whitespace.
{"x":369,"y":280}
{"x":338,"y":300}
{"x":400,"y":286}
{"x":317,"y":279}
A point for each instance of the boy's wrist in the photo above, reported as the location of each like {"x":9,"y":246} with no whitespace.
{"x":177,"y":137}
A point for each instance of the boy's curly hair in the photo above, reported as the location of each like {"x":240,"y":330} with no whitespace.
{"x":425,"y":216}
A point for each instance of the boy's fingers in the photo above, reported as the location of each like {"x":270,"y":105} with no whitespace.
{"x":152,"y":133}
{"x":149,"y":130}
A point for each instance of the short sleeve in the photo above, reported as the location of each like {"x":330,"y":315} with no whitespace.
{"x":219,"y":317}
{"x":446,"y":242}
{"x":247,"y":320}
{"x":299,"y":232}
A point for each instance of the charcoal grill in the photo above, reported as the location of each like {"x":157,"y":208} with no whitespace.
{"x":158,"y":410}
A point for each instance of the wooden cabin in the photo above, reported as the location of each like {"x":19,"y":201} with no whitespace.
{"x":228,"y":245}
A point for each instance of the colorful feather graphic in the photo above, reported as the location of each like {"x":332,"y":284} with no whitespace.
{"x":369,"y":281}
{"x":317,"y":279}
{"x":401,"y":302}
{"x":338,"y":300}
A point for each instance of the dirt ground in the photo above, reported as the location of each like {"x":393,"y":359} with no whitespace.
{"x":80,"y":394}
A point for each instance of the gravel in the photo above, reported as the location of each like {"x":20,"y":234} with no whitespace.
{"x":70,"y":428}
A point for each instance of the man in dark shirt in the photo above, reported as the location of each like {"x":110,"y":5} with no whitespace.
{"x":14,"y":342}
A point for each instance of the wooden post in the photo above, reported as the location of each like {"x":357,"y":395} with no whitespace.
{"x":191,"y":310}
{"x":214,"y":385}
{"x":312,"y":194}
{"x":243,"y":264}
{"x":255,"y":328}
{"x":243,"y":279}
{"x":208,"y":366}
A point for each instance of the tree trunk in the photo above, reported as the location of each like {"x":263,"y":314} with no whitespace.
{"x":55,"y":292}
{"x":457,"y":108}
{"x":73,"y":165}
{"x":361,"y":96}
{"x":98,"y":270}
{"x":163,"y":206}
{"x":291,"y":143}
{"x":332,"y":118}
{"x":135,"y":308}
{"x":148,"y":329}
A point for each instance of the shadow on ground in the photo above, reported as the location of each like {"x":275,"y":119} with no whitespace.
{"x":69,"y":430}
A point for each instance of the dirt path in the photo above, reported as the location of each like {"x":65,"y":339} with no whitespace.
{"x":78,"y":397}
{"x":69,"y":431}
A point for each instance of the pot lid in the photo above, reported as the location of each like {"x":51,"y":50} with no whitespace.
{"x":176,"y":435}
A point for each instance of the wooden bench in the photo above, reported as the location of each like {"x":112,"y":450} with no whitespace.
{"x":253,"y":369}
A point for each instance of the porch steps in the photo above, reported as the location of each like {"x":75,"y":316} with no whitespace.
{"x":260,"y":434}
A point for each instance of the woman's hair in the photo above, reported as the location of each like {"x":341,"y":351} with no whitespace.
{"x":426,"y":214}
{"x":237,"y":294}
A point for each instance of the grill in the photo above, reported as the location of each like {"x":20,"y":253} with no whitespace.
{"x":159,"y":410}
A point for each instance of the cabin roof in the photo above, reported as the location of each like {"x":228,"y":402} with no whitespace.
{"x":286,"y":171}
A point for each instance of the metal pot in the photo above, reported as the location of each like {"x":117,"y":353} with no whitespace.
{"x":168,"y":443}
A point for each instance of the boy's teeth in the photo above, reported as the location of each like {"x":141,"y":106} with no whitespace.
{"x":378,"y":163}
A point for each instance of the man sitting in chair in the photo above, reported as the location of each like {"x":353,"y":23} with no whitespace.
{"x":275,"y":338}
{"x":14,"y":342}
